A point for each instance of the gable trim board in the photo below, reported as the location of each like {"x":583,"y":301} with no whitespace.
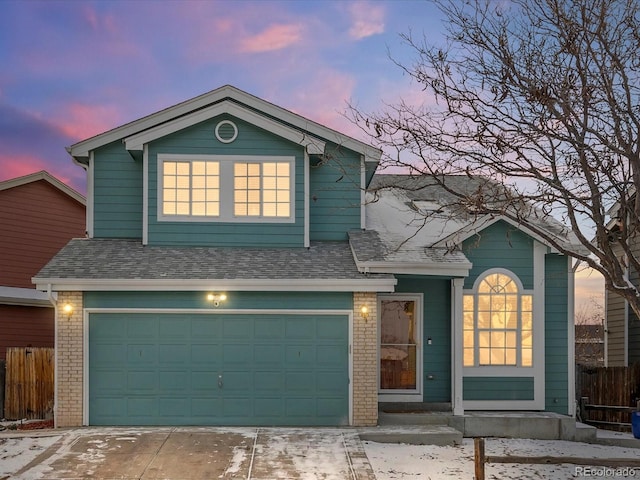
{"x":81,"y":150}
{"x":189,"y":311}
{"x":313,"y":146}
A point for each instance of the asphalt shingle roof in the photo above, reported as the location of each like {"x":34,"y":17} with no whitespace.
{"x":130,"y":260}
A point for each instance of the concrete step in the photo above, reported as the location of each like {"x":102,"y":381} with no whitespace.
{"x":441,"y":435}
{"x":585,"y":433}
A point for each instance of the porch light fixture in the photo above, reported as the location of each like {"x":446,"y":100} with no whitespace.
{"x":364,"y":311}
{"x":216,"y":298}
{"x":67,"y":309}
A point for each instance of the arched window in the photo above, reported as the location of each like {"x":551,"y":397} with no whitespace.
{"x":498,"y":322}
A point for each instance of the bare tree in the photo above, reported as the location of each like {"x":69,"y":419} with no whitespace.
{"x":543,"y":97}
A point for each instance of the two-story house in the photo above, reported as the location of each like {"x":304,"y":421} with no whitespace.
{"x":244,"y":266}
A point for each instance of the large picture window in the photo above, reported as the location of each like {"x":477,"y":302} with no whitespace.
{"x":225,"y":188}
{"x":498,"y":323}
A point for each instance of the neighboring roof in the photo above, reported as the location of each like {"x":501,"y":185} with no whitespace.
{"x":47,"y":177}
{"x":102,"y":264}
{"x":81,"y":149}
{"x":415,"y":211}
{"x":28,"y":297}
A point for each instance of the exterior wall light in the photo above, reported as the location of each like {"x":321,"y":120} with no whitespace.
{"x":67,"y":309}
{"x":216,"y":298}
{"x":364,"y":311}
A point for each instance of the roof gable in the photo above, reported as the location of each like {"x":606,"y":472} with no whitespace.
{"x":135,"y":129}
{"x":314,"y":146}
{"x":47,"y":177}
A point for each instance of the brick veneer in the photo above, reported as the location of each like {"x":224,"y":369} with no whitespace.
{"x":365,"y":360}
{"x":69,"y":356}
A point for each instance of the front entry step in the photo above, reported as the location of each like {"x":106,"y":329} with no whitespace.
{"x":440,"y":435}
{"x":414,"y":418}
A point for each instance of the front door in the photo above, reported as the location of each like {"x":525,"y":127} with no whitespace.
{"x":400,"y":347}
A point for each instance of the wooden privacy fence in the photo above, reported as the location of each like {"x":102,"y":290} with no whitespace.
{"x":607,"y":395}
{"x":29,"y":387}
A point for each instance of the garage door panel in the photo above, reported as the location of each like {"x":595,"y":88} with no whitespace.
{"x":163,"y":369}
{"x":174,"y":380}
{"x":142,"y":354}
{"x":268,"y":381}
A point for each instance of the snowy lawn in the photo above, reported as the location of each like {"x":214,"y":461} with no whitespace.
{"x":408,"y":462}
{"x":15,"y":453}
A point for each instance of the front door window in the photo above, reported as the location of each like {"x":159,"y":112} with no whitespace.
{"x":399,"y":345}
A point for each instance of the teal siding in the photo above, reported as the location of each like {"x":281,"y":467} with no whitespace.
{"x":500,"y":246}
{"x":556,"y":333}
{"x":437,"y":326}
{"x":235,"y":300}
{"x":334,"y":206}
{"x":497,"y":388}
{"x":117,"y":198}
{"x":251,"y":140}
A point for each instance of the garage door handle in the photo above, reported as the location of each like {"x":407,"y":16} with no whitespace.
{"x":220,"y":381}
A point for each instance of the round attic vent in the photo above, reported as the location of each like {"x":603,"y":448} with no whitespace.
{"x":226,"y":131}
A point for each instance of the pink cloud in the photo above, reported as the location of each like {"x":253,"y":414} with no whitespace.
{"x":367,"y":19}
{"x":13,"y":166}
{"x":275,"y":37}
{"x":81,"y":121}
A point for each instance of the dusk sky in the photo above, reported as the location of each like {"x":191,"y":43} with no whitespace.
{"x":74,"y":69}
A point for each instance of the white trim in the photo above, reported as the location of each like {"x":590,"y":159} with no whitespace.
{"x":207,"y":311}
{"x":307,"y":193}
{"x":90,"y":195}
{"x":444,"y":269}
{"x":457,"y":404}
{"x":82,"y":149}
{"x":226,"y":185}
{"x":145,"y":195}
{"x":226,"y":140}
{"x":571,"y":341}
{"x":363,"y":192}
{"x":311,"y":144}
{"x":265,"y":285}
{"x":539,"y":324}
{"x":25,"y":297}
{"x":417,"y":394}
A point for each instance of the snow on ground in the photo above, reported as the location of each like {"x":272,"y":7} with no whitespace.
{"x":15,"y":453}
{"x":422,"y":462}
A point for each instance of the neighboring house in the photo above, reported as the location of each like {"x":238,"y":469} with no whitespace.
{"x":236,"y":273}
{"x":590,"y":345}
{"x":38,"y":216}
{"x":622,"y":324}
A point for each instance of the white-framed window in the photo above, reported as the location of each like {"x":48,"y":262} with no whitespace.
{"x":498,"y":322}
{"x":226,"y":188}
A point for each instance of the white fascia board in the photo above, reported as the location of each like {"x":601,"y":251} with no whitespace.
{"x":409,"y":268}
{"x":313,"y":145}
{"x":27,"y":297}
{"x":265,"y":285}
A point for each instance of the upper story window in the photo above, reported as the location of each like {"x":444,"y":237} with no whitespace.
{"x":226,"y":188}
{"x":498,"y":323}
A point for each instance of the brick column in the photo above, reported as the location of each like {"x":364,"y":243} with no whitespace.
{"x":365,"y":360}
{"x":69,"y":360}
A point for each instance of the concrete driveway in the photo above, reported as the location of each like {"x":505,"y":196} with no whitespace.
{"x":203,"y":453}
